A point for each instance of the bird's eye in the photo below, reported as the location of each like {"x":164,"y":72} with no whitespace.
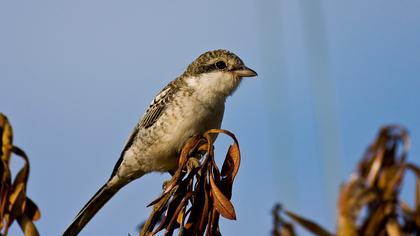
{"x":221,"y":65}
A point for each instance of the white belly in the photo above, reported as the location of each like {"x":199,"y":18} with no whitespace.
{"x":193,"y":122}
{"x":179,"y":125}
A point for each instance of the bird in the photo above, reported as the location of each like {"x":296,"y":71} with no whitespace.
{"x":189,"y":105}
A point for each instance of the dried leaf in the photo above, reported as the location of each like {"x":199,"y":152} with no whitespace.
{"x":199,"y":210}
{"x":6,"y":139}
{"x":287,"y":230}
{"x":31,"y":210}
{"x":309,"y":225}
{"x":375,"y":167}
{"x":416,"y":211}
{"x":181,"y":215}
{"x":193,"y":198}
{"x":375,"y":187}
{"x":231,"y":164}
{"x":280,"y":226}
{"x":393,"y":228}
{"x":221,"y":202}
{"x":27,"y":226}
{"x":13,"y":201}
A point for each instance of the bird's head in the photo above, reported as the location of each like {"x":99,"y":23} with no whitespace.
{"x":218,"y":72}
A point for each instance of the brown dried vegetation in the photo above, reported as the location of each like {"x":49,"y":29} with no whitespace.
{"x":14,"y":204}
{"x":198,"y":193}
{"x":374,"y":187}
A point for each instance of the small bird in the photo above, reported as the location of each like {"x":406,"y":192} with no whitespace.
{"x":189,"y":105}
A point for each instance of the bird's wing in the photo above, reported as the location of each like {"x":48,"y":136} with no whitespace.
{"x":154,"y":111}
{"x":157,"y":106}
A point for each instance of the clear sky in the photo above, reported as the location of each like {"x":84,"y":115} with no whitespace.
{"x":75,"y":77}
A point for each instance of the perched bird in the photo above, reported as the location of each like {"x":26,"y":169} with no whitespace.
{"x":189,"y":105}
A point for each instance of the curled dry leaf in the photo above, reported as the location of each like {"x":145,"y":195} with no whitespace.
{"x":221,"y":202}
{"x":14,"y":204}
{"x":198,"y":193}
{"x":375,"y":187}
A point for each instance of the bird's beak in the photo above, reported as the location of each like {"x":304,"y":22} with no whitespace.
{"x":245,"y":72}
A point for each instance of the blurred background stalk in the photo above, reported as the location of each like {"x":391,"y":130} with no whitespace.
{"x":324,"y":98}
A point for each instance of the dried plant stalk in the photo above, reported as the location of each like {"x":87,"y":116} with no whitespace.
{"x":198,"y":193}
{"x":14,"y":204}
{"x":375,"y":186}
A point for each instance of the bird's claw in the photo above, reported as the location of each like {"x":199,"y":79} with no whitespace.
{"x":193,"y":163}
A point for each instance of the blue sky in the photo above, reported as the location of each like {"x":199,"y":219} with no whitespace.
{"x":75,"y":77}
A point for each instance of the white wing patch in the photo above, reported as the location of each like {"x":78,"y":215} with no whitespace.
{"x":161,"y":95}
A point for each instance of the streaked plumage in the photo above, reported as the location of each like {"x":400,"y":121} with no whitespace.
{"x":187,"y":106}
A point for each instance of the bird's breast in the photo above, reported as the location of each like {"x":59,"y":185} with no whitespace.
{"x":158,"y":146}
{"x":192,"y":118}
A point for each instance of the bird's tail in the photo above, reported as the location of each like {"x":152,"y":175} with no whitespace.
{"x":91,"y":208}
